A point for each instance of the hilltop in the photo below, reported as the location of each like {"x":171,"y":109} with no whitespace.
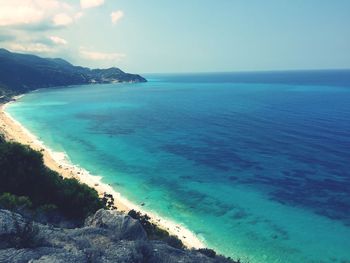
{"x":20,"y":73}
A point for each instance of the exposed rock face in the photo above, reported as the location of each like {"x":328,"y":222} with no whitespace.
{"x":7,"y":219}
{"x":126,"y":227}
{"x":107,"y":236}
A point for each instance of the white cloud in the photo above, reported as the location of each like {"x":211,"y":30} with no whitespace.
{"x":62,"y":19}
{"x":58,"y":40}
{"x":95,"y":55}
{"x":90,"y":3}
{"x":45,"y":13}
{"x":32,"y":47}
{"x":78,"y":15}
{"x":15,"y":13}
{"x":116,"y":16}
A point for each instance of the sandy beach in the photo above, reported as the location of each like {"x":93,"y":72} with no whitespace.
{"x":14,"y":131}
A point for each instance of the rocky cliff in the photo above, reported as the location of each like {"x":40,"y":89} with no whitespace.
{"x":107,"y":236}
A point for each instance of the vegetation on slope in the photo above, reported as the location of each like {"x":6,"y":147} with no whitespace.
{"x":26,"y":181}
{"x":154,"y":232}
{"x":20,"y":73}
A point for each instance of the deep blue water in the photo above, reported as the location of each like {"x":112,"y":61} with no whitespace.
{"x":256,"y":164}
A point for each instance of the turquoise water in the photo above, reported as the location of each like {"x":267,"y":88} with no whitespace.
{"x":258,"y":171}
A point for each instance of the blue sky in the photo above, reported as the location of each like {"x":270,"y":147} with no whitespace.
{"x":182,"y":36}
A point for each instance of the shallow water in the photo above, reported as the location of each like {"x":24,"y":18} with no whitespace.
{"x":259,"y":171}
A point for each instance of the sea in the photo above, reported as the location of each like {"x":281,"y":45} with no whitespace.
{"x":256,"y":164}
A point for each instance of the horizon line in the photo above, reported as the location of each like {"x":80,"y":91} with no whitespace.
{"x":248,"y":71}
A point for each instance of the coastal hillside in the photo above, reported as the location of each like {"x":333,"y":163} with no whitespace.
{"x":20,"y":73}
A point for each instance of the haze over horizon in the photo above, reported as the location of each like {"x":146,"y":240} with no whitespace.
{"x":186,"y":36}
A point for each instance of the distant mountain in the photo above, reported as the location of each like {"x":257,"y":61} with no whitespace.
{"x":20,"y":73}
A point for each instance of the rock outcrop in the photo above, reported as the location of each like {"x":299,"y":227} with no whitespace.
{"x":107,"y":236}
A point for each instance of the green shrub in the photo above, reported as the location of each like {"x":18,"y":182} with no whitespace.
{"x":173,"y":241}
{"x":208,"y":252}
{"x":108,"y":200}
{"x":47,"y":208}
{"x":12,"y":202}
{"x":154,"y":232}
{"x":23,"y":173}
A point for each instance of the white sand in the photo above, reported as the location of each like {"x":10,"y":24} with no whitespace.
{"x":59,"y":162}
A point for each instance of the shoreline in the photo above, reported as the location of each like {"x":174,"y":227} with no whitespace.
{"x":59,"y":162}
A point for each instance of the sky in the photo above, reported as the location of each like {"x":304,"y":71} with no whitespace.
{"x":182,"y":36}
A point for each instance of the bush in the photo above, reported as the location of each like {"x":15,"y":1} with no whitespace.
{"x":108,"y":201}
{"x":13,"y":202}
{"x":47,"y":208}
{"x":143,"y":219}
{"x":23,"y":173}
{"x":154,"y":232}
{"x":208,"y":252}
{"x":173,"y":241}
